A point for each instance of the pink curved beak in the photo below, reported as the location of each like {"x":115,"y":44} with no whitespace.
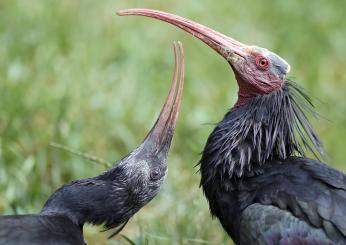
{"x":161,"y":134}
{"x":224,"y":45}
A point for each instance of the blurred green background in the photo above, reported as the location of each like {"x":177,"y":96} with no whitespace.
{"x":73,"y":72}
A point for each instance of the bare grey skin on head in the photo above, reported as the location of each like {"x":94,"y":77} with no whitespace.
{"x":254,"y":169}
{"x":110,"y":198}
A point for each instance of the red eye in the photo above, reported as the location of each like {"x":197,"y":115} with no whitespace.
{"x":262,"y":63}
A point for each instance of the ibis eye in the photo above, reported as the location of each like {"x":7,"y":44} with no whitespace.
{"x":262,"y":62}
{"x":155,"y":174}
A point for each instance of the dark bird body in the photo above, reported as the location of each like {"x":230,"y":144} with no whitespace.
{"x":283,"y":200}
{"x":39,"y":229}
{"x":110,"y":198}
{"x":254,"y":170}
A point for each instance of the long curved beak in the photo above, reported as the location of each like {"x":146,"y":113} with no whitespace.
{"x":224,"y":45}
{"x":160,"y":136}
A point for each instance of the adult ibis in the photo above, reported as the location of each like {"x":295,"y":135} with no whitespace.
{"x":254,"y":170}
{"x":110,"y":198}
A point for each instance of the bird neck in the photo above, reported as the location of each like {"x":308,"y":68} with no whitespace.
{"x":104,"y":199}
{"x":250,"y":87}
{"x":269,"y":126}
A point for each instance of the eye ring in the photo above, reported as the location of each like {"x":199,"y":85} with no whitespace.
{"x":262,"y":62}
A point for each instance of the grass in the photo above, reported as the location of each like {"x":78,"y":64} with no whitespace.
{"x":74,"y":73}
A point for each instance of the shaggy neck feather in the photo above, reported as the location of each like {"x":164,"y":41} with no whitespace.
{"x":269,"y":126}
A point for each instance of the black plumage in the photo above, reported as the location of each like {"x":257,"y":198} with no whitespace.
{"x":110,"y":198}
{"x":270,"y":126}
{"x":39,"y":229}
{"x":256,"y":186}
{"x":254,"y":170}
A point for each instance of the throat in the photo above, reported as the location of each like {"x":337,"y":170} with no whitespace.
{"x":242,"y":101}
{"x":260,"y":129}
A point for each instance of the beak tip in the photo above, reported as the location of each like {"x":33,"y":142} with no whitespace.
{"x":121,"y":12}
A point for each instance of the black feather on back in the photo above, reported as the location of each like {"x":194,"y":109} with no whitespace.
{"x":307,"y":194}
{"x":271,"y":126}
{"x":39,"y":230}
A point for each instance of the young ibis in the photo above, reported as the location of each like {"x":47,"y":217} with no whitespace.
{"x":254,"y":171}
{"x":110,"y":198}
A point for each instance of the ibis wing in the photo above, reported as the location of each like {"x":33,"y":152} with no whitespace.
{"x":304,"y":190}
{"x":267,"y":224}
{"x":308,"y":190}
